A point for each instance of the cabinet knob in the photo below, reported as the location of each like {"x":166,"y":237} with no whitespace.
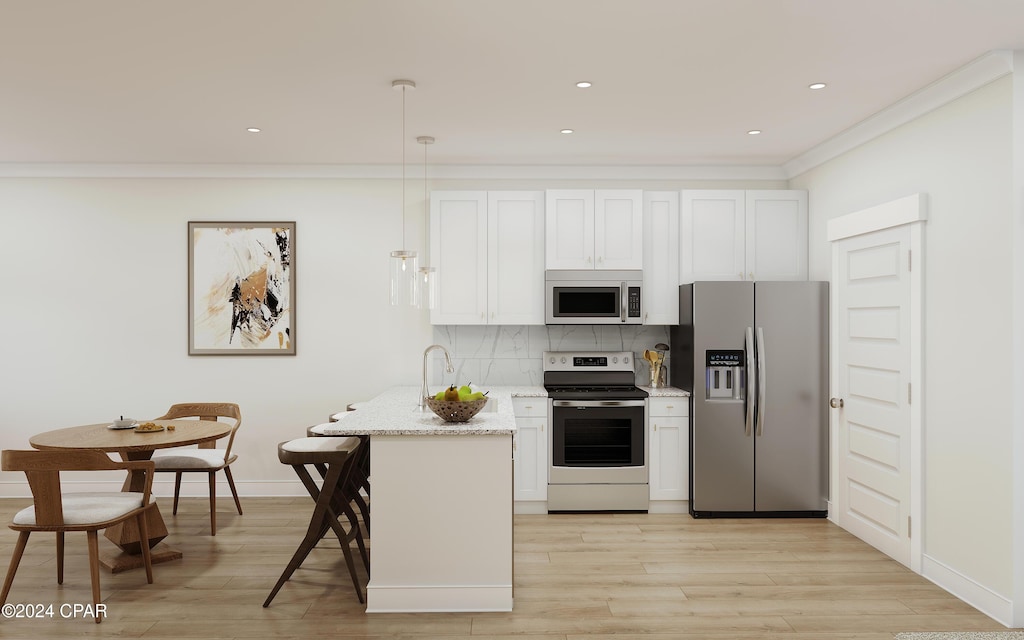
{"x":751,"y":275}
{"x":836,"y":403}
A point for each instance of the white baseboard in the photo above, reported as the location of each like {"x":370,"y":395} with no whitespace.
{"x":998,"y":607}
{"x":437,"y":598}
{"x":530,"y":507}
{"x":165,"y":488}
{"x":668,"y":506}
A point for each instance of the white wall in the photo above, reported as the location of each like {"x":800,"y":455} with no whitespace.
{"x":95,"y":318}
{"x":960,"y":156}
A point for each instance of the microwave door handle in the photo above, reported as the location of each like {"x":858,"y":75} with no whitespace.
{"x":623,"y":296}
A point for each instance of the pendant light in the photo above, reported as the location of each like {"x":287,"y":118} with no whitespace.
{"x":403,"y":263}
{"x":427,"y":294}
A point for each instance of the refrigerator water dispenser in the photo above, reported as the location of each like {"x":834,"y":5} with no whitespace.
{"x":724,"y":375}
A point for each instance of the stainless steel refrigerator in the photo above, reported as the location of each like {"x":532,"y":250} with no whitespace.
{"x":754,"y":356}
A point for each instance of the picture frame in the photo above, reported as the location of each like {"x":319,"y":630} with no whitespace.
{"x":241,"y":288}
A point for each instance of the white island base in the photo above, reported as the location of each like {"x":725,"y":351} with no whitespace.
{"x":440,"y":523}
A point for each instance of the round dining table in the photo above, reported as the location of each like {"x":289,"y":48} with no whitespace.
{"x":131,"y":444}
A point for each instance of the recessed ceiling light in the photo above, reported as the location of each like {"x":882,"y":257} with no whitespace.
{"x":583,"y":85}
{"x":817,"y":85}
{"x":754,"y":132}
{"x":253,"y":130}
{"x":566,"y":130}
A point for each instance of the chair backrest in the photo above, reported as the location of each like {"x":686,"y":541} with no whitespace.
{"x":43,"y":469}
{"x":208,"y":411}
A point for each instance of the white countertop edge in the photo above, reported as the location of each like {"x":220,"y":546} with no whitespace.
{"x":666,"y":392}
{"x":394,"y":413}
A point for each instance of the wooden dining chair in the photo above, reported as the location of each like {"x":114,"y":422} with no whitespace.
{"x":206,"y":459}
{"x":59,"y":512}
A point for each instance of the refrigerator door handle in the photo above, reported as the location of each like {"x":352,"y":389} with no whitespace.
{"x":762,"y":379}
{"x":752,"y":382}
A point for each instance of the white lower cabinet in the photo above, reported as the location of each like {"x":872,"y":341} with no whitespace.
{"x":530,"y":453}
{"x":669,"y":420}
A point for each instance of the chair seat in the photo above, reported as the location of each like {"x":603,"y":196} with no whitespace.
{"x":87,"y":508}
{"x":189,"y":459}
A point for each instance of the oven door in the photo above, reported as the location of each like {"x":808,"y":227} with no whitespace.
{"x":598,"y":442}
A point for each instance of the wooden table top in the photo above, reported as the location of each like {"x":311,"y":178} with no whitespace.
{"x":100,"y":436}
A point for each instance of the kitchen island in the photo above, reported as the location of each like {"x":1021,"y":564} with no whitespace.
{"x":441,"y":504}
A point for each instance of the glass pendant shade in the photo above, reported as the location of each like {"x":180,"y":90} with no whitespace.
{"x":427,"y":294}
{"x":404,"y":274}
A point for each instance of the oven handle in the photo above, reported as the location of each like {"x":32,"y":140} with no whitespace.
{"x":599,"y":403}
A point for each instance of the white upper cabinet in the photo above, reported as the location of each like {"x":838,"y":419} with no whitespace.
{"x":661,"y":257}
{"x":711,"y":235}
{"x":488,"y":250}
{"x":589,"y":229}
{"x":515,"y":257}
{"x":777,"y":235}
{"x":458,"y":249}
{"x":743,"y":235}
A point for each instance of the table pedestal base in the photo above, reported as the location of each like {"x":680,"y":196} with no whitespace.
{"x":118,"y":561}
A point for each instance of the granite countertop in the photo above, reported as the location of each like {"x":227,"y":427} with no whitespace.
{"x":666,"y":392}
{"x":394,"y":413}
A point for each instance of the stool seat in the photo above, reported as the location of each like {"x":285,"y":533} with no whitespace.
{"x":316,"y":450}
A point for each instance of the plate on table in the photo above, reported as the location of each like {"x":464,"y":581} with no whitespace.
{"x":149,"y":427}
{"x":115,"y":427}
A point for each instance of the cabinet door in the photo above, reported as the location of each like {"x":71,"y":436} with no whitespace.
{"x":670,"y":456}
{"x":776,"y":230}
{"x":661,"y":257}
{"x":569,"y":222}
{"x":711,"y":235}
{"x":618,"y":229}
{"x":531,"y":449}
{"x":515,"y":257}
{"x":458,"y":249}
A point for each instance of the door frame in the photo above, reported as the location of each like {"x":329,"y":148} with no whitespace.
{"x":910,"y":210}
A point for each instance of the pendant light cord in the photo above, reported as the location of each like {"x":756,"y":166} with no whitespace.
{"x":403,"y":168}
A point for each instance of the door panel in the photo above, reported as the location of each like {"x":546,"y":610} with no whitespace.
{"x":874,"y":354}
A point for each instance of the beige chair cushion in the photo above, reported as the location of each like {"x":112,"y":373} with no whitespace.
{"x":88,"y":508}
{"x":188,"y":459}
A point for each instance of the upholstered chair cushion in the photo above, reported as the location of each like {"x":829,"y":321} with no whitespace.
{"x":189,"y":459}
{"x":88,"y":508}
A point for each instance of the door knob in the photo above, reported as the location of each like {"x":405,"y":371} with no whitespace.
{"x":836,"y":403}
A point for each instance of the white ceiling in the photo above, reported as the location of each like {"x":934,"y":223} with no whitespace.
{"x":675,"y":82}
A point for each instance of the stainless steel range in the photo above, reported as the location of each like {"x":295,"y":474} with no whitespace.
{"x":597,"y":419}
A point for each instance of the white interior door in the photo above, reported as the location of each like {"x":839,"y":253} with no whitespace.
{"x":873,"y":312}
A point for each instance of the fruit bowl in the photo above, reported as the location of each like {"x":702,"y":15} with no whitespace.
{"x":455,"y":410}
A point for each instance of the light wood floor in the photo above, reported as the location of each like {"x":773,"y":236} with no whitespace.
{"x":625,"y":576}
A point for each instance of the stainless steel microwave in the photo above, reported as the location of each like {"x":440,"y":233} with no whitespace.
{"x":593,"y":296}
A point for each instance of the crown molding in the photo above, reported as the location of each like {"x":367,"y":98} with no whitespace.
{"x":391,"y":172}
{"x":974,"y":75}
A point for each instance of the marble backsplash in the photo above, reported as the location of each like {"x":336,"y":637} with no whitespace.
{"x":511,"y":354}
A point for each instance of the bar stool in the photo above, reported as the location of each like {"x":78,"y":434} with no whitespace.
{"x":337,"y":458}
{"x":360,"y":479}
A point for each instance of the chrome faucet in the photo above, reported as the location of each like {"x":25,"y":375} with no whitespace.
{"x":448,"y":367}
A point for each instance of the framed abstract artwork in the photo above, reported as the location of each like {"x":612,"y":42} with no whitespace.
{"x":241,"y":288}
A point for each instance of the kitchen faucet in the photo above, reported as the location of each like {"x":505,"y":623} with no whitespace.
{"x":448,"y":367}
